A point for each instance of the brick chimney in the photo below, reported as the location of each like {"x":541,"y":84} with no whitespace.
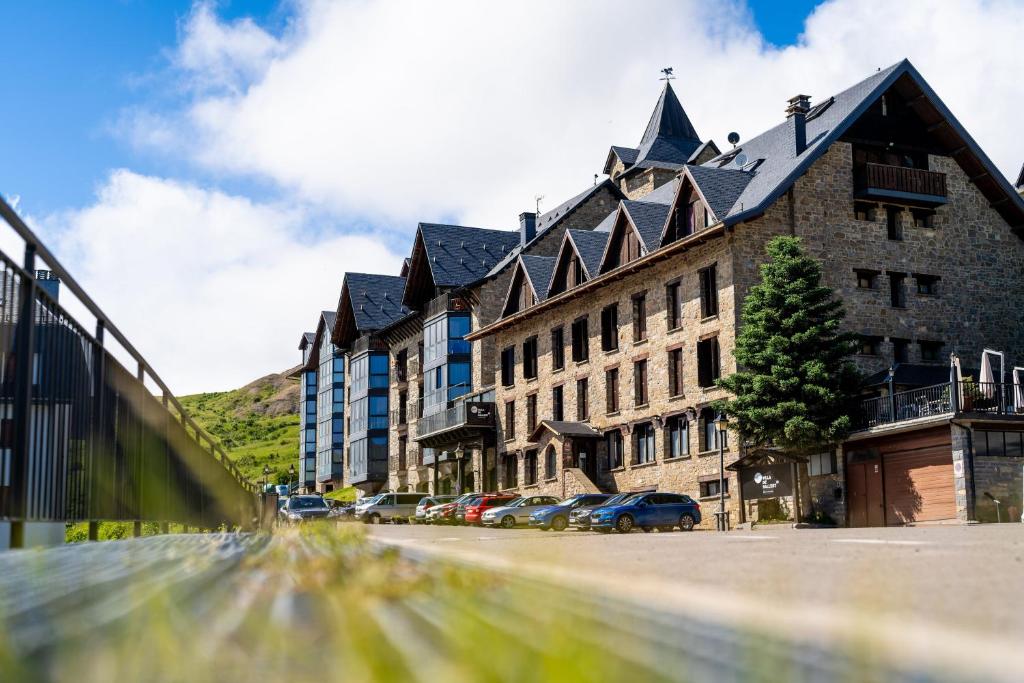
{"x":796,"y":111}
{"x":527,"y":227}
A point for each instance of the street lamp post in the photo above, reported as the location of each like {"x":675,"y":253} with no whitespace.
{"x":291,"y":475}
{"x":460,"y":452}
{"x":266,"y":476}
{"x":721,"y":425}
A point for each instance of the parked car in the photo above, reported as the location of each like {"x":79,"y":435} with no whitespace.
{"x":516,"y":512}
{"x":474,"y":510}
{"x":580,"y":517}
{"x":662,"y":511}
{"x":281,"y":489}
{"x":445,"y":513}
{"x":341,"y":511}
{"x":390,"y":507}
{"x":303,"y":508}
{"x":557,"y":516}
{"x":428,"y":503}
{"x":463,"y":503}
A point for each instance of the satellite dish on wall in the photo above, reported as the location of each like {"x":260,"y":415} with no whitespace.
{"x":734,"y":137}
{"x":741,"y":159}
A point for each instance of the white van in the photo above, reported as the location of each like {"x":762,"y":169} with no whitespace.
{"x":390,"y":507}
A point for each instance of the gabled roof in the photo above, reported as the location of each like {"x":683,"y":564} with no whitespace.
{"x":324,"y":328}
{"x":307,"y":339}
{"x":538,"y":271}
{"x":708,"y":146}
{"x":719,"y":187}
{"x":589,"y":245}
{"x":1020,"y":179}
{"x":368,"y":303}
{"x":669,"y":140}
{"x":649,"y":220}
{"x":780,"y":166}
{"x":563,"y":428}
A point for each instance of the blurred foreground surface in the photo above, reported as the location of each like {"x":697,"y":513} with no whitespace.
{"x":327,"y":603}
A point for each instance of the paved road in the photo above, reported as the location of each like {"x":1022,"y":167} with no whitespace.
{"x":964,"y":585}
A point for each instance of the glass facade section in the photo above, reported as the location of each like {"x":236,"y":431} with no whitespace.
{"x":368,"y":406}
{"x":446,"y":361}
{"x":307,"y":430}
{"x":330,"y":410}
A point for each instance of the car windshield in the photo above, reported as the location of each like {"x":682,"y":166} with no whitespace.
{"x":619,"y":499}
{"x":305,"y":502}
{"x":371,"y":501}
{"x":514,"y":503}
{"x":570,"y":502}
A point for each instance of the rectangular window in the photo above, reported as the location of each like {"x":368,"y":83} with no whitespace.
{"x":708,"y":291}
{"x":613,"y":445}
{"x":923,"y":218}
{"x":530,"y":466}
{"x":900,"y":350}
{"x":866,"y":279}
{"x":611,"y":390}
{"x":677,"y":431}
{"x":931,"y":351}
{"x":927,"y":285}
{"x":640,"y":383}
{"x":709,"y":431}
{"x":675,"y":372}
{"x":582,"y":399}
{"x":557,"y":349}
{"x":708,"y":364}
{"x":863,"y":211}
{"x":511,"y":471}
{"x":822,"y":463}
{"x":869,"y":346}
{"x":710,"y":488}
{"x":892,"y":221}
{"x":639,"y":317}
{"x":510,"y":419}
{"x":557,"y":406}
{"x":508,"y":366}
{"x":897,"y":295}
{"x":610,"y":328}
{"x":580,"y":341}
{"x":674,"y":305}
{"x":530,"y":358}
{"x":403,"y":445}
{"x":531,"y":413}
{"x":643,"y":443}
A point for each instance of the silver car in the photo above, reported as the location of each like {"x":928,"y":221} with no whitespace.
{"x":390,"y":507}
{"x":517,"y":512}
{"x":423,"y":509}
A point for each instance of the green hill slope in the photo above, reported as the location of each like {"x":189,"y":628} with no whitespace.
{"x":257,"y":425}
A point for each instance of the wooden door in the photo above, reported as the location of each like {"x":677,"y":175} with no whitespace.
{"x":864,"y":494}
{"x":919,"y":485}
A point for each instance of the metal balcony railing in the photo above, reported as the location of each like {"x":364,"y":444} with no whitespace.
{"x":461,"y":414}
{"x":994,"y":398}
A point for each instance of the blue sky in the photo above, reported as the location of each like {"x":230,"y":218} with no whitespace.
{"x":210,"y":170}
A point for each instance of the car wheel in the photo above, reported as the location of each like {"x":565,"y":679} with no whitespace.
{"x":686,"y":522}
{"x":375,"y":518}
{"x":508,"y":521}
{"x":624,"y":524}
{"x":559,"y":523}
{"x":647,"y":529}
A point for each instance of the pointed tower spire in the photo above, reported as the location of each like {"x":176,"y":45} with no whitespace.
{"x":668,"y":120}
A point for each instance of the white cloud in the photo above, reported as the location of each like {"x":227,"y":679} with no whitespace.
{"x":215,"y":290}
{"x":406,"y":110}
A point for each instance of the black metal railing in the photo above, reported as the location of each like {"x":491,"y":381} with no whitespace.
{"x":82,"y":438}
{"x":995,"y":398}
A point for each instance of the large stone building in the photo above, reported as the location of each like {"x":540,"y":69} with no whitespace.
{"x":593,"y":341}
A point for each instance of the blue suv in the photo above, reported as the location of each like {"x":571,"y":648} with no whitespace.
{"x":662,"y":511}
{"x":557,"y":516}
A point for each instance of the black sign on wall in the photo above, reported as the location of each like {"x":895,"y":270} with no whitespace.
{"x":766,"y":481}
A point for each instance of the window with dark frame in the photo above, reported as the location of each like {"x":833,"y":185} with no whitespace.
{"x":639,"y":317}
{"x":674,"y":304}
{"x":822,"y":463}
{"x":557,"y":406}
{"x":862,"y":211}
{"x":511,"y":470}
{"x":610,"y":327}
{"x":611,"y":390}
{"x":510,"y":420}
{"x":530,"y":358}
{"x":675,"y":372}
{"x":892,"y":222}
{"x":897,"y":292}
{"x":677,"y":434}
{"x":900,"y":350}
{"x":557,"y":348}
{"x":508,"y":366}
{"x":931,"y":351}
{"x":531,"y":413}
{"x":613,"y":447}
{"x":580,"y":341}
{"x":869,"y":345}
{"x":640,"y":383}
{"x":927,"y":285}
{"x":530,"y":467}
{"x":403,"y":445}
{"x":582,"y":399}
{"x":709,"y":431}
{"x":709,"y":488}
{"x":550,"y":462}
{"x":709,"y":367}
{"x":643,"y":443}
{"x":867,"y":279}
{"x":923,"y":218}
{"x":708,"y":291}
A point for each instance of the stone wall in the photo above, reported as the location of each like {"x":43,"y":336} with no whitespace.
{"x":1002,"y":479}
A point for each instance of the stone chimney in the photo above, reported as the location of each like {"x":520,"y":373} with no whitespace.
{"x":797,"y":110}
{"x":527,"y":227}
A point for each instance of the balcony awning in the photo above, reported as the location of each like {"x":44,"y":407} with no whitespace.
{"x":764,"y":456}
{"x":577,"y":430}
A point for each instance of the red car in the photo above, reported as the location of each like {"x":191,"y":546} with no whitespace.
{"x":475,"y":509}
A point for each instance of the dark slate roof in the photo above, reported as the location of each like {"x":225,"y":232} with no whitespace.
{"x":307,"y":339}
{"x":721,"y":187}
{"x":538,"y":270}
{"x":608,"y":223}
{"x":329,"y":319}
{"x":649,"y":219}
{"x":1020,"y":179}
{"x":460,"y":255}
{"x":710,"y":144}
{"x":669,"y":140}
{"x":627,"y":155}
{"x":562,"y":428}
{"x":376,"y":301}
{"x":590,"y":246}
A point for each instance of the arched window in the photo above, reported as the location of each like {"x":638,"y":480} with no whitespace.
{"x":550,"y":462}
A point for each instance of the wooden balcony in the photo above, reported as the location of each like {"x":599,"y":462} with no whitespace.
{"x":913,"y":186}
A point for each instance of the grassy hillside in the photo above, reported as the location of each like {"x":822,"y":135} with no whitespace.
{"x":257,"y":425}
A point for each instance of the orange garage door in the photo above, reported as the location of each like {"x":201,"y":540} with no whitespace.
{"x":919,"y":485}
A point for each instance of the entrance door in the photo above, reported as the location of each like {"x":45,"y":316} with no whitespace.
{"x":864,"y":493}
{"x":919,"y":485}
{"x":586,"y":460}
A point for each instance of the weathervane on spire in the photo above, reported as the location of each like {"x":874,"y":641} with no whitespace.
{"x":668,"y":74}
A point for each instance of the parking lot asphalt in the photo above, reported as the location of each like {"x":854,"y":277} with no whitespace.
{"x":969,"y":579}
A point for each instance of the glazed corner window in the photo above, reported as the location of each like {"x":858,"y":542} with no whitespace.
{"x":863,"y":211}
{"x":610,"y":328}
{"x":708,"y":291}
{"x":867,"y":279}
{"x":674,"y":304}
{"x":709,"y":367}
{"x":931,"y":351}
{"x":580,"y":341}
{"x":530,"y":358}
{"x":510,"y":419}
{"x":927,"y":284}
{"x":611,"y":387}
{"x":557,"y":405}
{"x":897,"y":294}
{"x":639,"y":317}
{"x":582,"y":399}
{"x":557,"y":349}
{"x":640,"y":383}
{"x":869,"y":346}
{"x":508,"y":366}
{"x":923,"y":218}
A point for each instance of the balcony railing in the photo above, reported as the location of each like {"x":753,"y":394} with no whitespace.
{"x":897,"y":182}
{"x":994,"y":398}
{"x":462,"y":414}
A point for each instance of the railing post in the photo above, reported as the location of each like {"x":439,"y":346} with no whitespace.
{"x":954,"y":396}
{"x":24,"y":355}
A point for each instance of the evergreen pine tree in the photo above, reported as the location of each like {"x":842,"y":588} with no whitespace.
{"x":795,"y":384}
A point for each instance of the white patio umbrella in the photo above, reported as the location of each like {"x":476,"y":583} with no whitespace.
{"x":958,"y":378}
{"x":985,"y":378}
{"x":1018,"y":389}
